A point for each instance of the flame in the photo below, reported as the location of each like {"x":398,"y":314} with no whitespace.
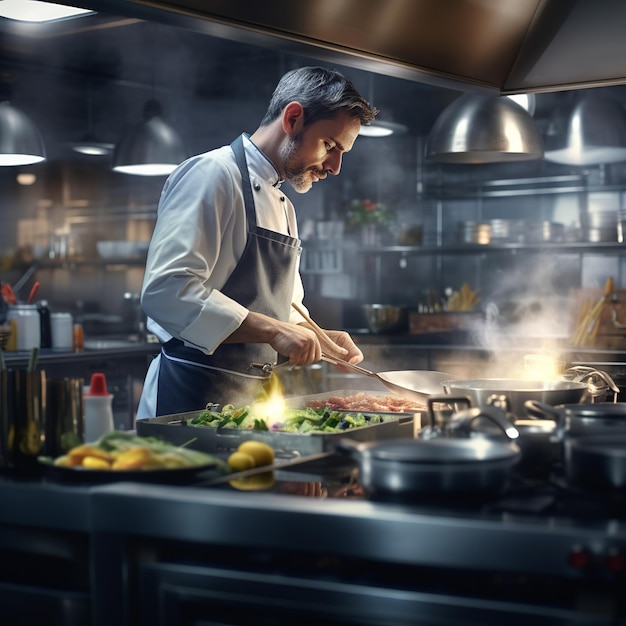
{"x":270,"y":407}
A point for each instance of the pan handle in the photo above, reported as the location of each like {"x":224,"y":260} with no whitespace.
{"x":445,"y":399}
{"x":541,"y":411}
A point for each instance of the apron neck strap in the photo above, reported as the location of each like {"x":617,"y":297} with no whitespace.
{"x":240,"y":156}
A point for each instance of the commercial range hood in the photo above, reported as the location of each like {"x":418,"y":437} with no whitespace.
{"x":499,"y":46}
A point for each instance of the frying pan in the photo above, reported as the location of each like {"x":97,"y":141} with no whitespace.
{"x":480,"y":390}
{"x":411,"y":384}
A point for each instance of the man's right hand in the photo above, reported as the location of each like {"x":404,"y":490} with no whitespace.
{"x":298,"y":343}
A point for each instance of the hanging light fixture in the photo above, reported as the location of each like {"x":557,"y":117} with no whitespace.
{"x":20,"y":140}
{"x":479,"y":128}
{"x":153,"y":148}
{"x":89,"y":144}
{"x":378,"y":127}
{"x":589,"y":130}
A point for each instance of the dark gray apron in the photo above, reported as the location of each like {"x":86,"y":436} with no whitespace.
{"x":262,"y":282}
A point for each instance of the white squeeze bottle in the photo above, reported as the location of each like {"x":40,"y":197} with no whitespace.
{"x":98,"y":405}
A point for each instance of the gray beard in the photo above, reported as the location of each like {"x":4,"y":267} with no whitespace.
{"x":294,"y":173}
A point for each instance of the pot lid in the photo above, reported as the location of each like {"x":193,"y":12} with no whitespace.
{"x":443,"y":450}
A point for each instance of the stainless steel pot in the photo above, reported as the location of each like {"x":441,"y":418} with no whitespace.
{"x":596,"y":462}
{"x":582,"y":419}
{"x":433,"y":468}
{"x":517,"y":391}
{"x":535,"y":437}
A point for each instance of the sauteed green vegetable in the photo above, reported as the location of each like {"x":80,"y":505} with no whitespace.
{"x":292,"y":420}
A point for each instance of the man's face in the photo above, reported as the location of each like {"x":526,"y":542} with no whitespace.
{"x":318,"y":150}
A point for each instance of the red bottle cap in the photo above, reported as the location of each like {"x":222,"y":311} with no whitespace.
{"x":98,"y":386}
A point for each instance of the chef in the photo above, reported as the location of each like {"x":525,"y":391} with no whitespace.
{"x":222,"y":267}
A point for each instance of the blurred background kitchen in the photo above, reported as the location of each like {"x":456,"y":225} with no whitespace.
{"x":476,"y":251}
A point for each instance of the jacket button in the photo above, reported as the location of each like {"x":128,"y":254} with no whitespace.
{"x":282,"y":198}
{"x":257,"y":187}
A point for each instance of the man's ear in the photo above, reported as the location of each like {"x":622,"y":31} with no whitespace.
{"x":293,"y":119}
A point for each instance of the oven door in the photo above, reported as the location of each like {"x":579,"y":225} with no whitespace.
{"x":190,"y":595}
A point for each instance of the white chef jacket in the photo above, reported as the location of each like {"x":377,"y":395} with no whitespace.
{"x":198,"y":239}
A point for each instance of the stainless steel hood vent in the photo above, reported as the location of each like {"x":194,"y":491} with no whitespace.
{"x":503,"y":46}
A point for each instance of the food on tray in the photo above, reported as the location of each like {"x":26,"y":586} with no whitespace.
{"x":289,"y":420}
{"x":368,"y":402}
{"x":121,"y":451}
{"x":251,"y":454}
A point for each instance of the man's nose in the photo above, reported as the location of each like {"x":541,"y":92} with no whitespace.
{"x":333,"y":162}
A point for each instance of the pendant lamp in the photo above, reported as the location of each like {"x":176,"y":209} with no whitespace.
{"x":89,"y":144}
{"x":479,"y":128}
{"x":20,"y":140}
{"x":153,"y":148}
{"x":589,"y":130}
{"x":378,"y":127}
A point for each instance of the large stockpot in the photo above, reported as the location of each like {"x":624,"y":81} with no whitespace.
{"x":433,"y":468}
{"x":517,"y":391}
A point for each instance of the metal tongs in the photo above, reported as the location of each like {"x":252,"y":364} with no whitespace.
{"x":405,"y":392}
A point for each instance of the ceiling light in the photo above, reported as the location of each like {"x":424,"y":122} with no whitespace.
{"x":153,"y":148}
{"x":380,"y":128}
{"x":479,"y":128}
{"x":33,"y":11}
{"x":26,"y":178}
{"x":590,"y":130}
{"x":20,"y":141}
{"x":91,"y":146}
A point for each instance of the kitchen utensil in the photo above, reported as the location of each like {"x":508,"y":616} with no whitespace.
{"x":64,"y":415}
{"x":518,"y":391}
{"x":385,"y":318}
{"x":416,"y":386}
{"x":582,"y":419}
{"x":587,"y":328}
{"x":33,"y":292}
{"x":433,"y":468}
{"x":175,"y":429}
{"x":536,"y":438}
{"x":22,"y":418}
{"x":411,"y":384}
{"x":596,"y":462}
{"x":8,"y":294}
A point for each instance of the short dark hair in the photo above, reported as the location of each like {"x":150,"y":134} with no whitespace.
{"x":322,"y":94}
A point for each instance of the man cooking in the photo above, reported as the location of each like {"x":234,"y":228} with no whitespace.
{"x":222,"y":267}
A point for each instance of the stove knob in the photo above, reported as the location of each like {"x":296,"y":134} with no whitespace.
{"x":615,"y":561}
{"x":579,"y":557}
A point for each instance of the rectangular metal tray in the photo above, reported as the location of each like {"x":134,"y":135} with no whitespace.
{"x":174,"y":429}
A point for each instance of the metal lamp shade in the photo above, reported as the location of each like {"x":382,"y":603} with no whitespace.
{"x":484,"y":129}
{"x":153,"y":148}
{"x":591,"y":130}
{"x":20,"y":141}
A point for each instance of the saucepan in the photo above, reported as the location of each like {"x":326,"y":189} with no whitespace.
{"x":536,"y":438}
{"x":433,"y":468}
